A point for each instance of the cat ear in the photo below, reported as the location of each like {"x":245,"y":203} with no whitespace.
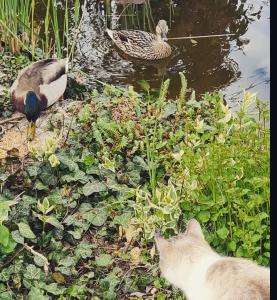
{"x":194,"y":228}
{"x":161,"y":243}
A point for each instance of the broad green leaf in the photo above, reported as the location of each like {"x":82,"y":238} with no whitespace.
{"x":222,"y":233}
{"x":103,"y":260}
{"x":232,"y":246}
{"x":144,"y":85}
{"x":94,"y":187}
{"x":26,"y":231}
{"x":4,"y":235}
{"x":204,"y":216}
{"x":169,"y":109}
{"x":9,"y":247}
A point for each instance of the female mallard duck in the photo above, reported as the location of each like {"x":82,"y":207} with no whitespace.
{"x":141,"y":44}
{"x":37,"y":87}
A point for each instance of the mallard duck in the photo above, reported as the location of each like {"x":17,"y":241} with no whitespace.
{"x":37,"y":87}
{"x":141,"y":44}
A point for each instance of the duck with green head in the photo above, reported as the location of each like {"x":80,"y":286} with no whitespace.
{"x":37,"y":87}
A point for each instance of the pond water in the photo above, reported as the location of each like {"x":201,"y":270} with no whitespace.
{"x":229,"y":64}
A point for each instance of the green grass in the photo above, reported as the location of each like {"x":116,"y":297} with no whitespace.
{"x":134,"y":163}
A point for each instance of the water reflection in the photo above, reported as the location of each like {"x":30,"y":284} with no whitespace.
{"x":209,"y":64}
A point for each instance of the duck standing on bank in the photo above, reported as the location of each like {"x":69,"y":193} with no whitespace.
{"x":37,"y":87}
{"x":141,"y":44}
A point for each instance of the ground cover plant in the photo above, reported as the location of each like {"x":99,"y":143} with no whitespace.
{"x":77,"y":222}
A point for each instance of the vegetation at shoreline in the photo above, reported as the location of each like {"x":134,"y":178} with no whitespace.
{"x":77,"y":219}
{"x":133,"y":163}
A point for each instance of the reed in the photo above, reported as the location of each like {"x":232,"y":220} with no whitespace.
{"x":15,"y":31}
{"x":20,"y":30}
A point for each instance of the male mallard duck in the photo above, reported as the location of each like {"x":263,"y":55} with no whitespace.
{"x":141,"y":44}
{"x":37,"y":87}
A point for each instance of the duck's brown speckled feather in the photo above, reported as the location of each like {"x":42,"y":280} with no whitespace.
{"x":140,"y":44}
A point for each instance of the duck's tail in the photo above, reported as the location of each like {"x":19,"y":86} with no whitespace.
{"x":66,"y":64}
{"x":110,"y":33}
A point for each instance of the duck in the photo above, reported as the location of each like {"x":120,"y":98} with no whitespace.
{"x":37,"y":87}
{"x":141,"y":44}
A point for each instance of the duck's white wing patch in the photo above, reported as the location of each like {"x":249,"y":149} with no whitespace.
{"x":54,"y":90}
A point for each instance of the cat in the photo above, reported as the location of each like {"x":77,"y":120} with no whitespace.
{"x":188,"y":262}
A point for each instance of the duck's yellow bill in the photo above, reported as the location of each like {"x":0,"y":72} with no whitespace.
{"x":31,"y":130}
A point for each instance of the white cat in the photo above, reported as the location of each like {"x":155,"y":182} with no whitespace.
{"x":188,"y":262}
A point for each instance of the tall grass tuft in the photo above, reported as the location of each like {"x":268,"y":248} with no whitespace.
{"x":20,"y":30}
{"x":15,"y":31}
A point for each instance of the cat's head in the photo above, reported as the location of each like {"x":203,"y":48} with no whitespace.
{"x":180,"y":254}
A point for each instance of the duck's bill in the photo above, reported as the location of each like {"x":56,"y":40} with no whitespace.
{"x":31,"y":130}
{"x":164,"y":37}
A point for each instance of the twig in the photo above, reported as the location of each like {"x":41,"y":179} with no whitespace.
{"x":46,"y":262}
{"x":18,"y":196}
{"x":200,"y":36}
{"x":70,"y":125}
{"x":12,"y":258}
{"x":11,"y":119}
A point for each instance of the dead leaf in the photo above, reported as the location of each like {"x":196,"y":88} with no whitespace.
{"x":135,"y":256}
{"x":153,"y":251}
{"x":58,"y":277}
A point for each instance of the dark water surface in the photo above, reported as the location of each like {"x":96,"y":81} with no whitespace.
{"x":230,"y":64}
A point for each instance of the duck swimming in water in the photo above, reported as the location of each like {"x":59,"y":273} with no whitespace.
{"x":37,"y":87}
{"x":141,"y":44}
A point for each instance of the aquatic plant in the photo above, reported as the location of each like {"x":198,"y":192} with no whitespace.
{"x":20,"y":30}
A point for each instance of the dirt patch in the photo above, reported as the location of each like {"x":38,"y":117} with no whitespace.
{"x":53,"y":123}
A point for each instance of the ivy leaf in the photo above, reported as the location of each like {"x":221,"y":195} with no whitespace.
{"x":53,"y":221}
{"x":26,"y":231}
{"x":39,"y":261}
{"x":53,"y":288}
{"x":103,"y":260}
{"x":83,"y":250}
{"x":84,"y":207}
{"x":32,"y":272}
{"x":94,"y":187}
{"x":96,"y":219}
{"x":17,"y":237}
{"x":123,"y":219}
{"x":68,"y":261}
{"x":36,"y":293}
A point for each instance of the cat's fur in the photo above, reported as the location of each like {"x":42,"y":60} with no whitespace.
{"x":188,"y":262}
